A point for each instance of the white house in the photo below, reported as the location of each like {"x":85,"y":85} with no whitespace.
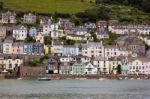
{"x":93,"y":49}
{"x":20,"y":33}
{"x":55,"y":31}
{"x":9,"y":62}
{"x":102,"y":64}
{"x":56,"y":47}
{"x":139,"y":65}
{"x":111,"y":51}
{"x":46,"y":29}
{"x":90,"y":69}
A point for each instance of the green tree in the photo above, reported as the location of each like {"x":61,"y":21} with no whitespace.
{"x":29,"y":39}
{"x":119,"y":69}
{"x":1,"y":5}
{"x":33,"y":62}
{"x":47,"y":40}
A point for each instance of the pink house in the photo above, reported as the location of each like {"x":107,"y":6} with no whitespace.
{"x":17,"y":48}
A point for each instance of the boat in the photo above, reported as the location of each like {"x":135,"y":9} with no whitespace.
{"x":101,"y":79}
{"x":44,"y":79}
{"x":19,"y":78}
{"x":120,"y":78}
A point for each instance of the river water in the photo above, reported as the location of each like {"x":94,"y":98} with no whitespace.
{"x":75,"y":89}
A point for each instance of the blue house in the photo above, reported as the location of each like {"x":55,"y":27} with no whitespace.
{"x":33,"y":32}
{"x":27,"y":48}
{"x":71,"y":50}
{"x":38,"y":49}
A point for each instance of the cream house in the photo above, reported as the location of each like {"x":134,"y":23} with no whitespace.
{"x":7,"y":46}
{"x":92,"y":49}
{"x":10,"y":62}
{"x":40,"y":38}
{"x":102,"y":64}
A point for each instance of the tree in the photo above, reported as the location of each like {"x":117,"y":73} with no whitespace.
{"x":82,"y":0}
{"x":119,"y":70}
{"x":1,"y":5}
{"x":47,"y":40}
{"x":29,"y":39}
{"x":33,"y":62}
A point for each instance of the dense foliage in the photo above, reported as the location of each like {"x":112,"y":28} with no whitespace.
{"x":142,"y":4}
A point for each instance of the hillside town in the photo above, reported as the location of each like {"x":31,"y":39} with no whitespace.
{"x":32,"y":45}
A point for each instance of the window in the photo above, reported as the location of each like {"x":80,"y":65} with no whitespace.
{"x":10,"y":65}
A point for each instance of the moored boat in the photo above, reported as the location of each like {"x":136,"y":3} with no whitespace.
{"x":44,"y":79}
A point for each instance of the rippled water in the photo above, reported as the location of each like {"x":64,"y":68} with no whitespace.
{"x":75,"y":89}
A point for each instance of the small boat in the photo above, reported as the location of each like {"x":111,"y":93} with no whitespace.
{"x":138,"y":78}
{"x":131,"y":78}
{"x":44,"y":79}
{"x":19,"y":78}
{"x":120,"y":78}
{"x":101,"y":79}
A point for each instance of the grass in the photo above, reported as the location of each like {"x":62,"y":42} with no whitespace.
{"x":48,"y":6}
{"x":74,"y":6}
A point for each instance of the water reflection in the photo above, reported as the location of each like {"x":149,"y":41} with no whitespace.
{"x":74,"y":89}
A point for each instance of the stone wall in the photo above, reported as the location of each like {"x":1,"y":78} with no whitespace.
{"x":32,"y":72}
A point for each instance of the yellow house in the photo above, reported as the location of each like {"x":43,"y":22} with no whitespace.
{"x":46,"y":49}
{"x":7,"y":46}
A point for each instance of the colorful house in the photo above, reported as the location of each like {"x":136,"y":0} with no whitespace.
{"x":65,"y":68}
{"x":71,"y":50}
{"x":78,"y":68}
{"x":7,"y":46}
{"x":38,"y":49}
{"x":33,"y":32}
{"x":17,"y":48}
{"x":27,"y":48}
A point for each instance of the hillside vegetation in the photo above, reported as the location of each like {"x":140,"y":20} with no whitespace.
{"x":48,"y":6}
{"x":81,"y":10}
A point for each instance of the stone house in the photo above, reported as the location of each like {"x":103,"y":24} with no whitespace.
{"x":45,"y":21}
{"x":29,"y":18}
{"x":32,"y":72}
{"x":133,"y":44}
{"x":2,"y":32}
{"x":8,"y":17}
{"x":65,"y":24}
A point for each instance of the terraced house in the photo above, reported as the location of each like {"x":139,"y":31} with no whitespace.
{"x":29,"y":18}
{"x":8,"y":17}
{"x":20,"y":33}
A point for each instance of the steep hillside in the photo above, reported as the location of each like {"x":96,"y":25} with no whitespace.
{"x":48,"y":6}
